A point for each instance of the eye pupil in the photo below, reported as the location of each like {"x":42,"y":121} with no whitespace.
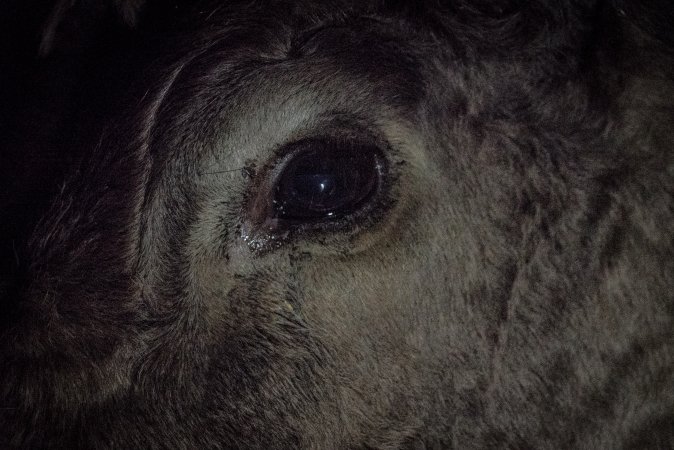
{"x":318,"y":187}
{"x":326,"y":181}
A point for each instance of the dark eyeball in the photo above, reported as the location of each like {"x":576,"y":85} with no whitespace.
{"x":326,"y":180}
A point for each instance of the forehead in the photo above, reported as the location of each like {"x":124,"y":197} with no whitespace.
{"x":265,"y":80}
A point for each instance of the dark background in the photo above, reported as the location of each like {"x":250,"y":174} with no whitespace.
{"x":49,"y":105}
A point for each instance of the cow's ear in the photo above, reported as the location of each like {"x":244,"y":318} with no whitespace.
{"x":73,"y":23}
{"x":654,"y":18}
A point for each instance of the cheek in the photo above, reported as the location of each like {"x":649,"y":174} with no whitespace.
{"x":369,"y":313}
{"x":363,"y":304}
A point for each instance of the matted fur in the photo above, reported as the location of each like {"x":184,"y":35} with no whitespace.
{"x":515,"y":292}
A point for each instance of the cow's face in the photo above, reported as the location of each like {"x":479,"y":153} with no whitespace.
{"x":330,"y":234}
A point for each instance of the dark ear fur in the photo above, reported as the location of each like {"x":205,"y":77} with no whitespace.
{"x":72,"y":23}
{"x":655,"y":18}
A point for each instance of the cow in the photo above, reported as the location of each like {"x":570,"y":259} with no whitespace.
{"x":345,"y":224}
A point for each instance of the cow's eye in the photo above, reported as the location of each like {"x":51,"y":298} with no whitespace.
{"x":326,"y":180}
